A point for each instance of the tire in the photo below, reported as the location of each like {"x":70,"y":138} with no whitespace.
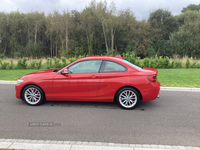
{"x":33,"y":95}
{"x":128,"y":98}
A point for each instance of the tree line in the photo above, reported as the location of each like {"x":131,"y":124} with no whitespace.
{"x":100,"y":29}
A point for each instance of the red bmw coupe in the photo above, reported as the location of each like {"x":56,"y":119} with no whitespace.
{"x":95,"y":79}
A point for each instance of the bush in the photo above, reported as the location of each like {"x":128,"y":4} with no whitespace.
{"x":49,"y":63}
{"x":156,"y":62}
{"x":64,"y":61}
{"x":19,"y":64}
{"x":146,"y":62}
{"x":57,"y":63}
{"x":194,"y":64}
{"x":22,"y":64}
{"x":198,"y":65}
{"x":166,"y":63}
{"x":4,"y":65}
{"x":80,"y":56}
{"x":178,"y":64}
{"x":160,"y":62}
{"x":0,"y":62}
{"x":172,"y":64}
{"x":152,"y":63}
{"x":11,"y":65}
{"x":72,"y":59}
{"x":187,"y":64}
{"x":139,"y":62}
{"x":129,"y":57}
{"x":38,"y":63}
{"x":32,"y":64}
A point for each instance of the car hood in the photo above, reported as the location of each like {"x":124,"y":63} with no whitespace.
{"x":43,"y":71}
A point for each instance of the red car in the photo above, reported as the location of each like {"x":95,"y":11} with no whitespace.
{"x":95,"y":79}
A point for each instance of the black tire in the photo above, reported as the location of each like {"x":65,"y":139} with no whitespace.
{"x":33,"y":95}
{"x":130,"y":101}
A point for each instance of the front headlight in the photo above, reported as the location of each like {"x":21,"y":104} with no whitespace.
{"x":19,"y":81}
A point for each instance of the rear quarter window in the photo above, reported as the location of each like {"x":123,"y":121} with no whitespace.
{"x":110,"y":66}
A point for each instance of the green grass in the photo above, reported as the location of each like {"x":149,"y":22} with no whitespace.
{"x":166,"y":77}
{"x":13,"y":75}
{"x":179,"y":77}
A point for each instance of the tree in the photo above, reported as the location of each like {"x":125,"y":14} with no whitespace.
{"x":162,"y":23}
{"x":191,"y":7}
{"x":186,"y":40}
{"x":87,"y":23}
{"x":3,"y":24}
{"x":49,"y":31}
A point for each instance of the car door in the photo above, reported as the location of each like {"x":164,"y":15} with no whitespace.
{"x":81,"y":82}
{"x":113,"y":76}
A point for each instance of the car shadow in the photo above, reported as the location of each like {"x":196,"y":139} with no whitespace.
{"x":101,"y":105}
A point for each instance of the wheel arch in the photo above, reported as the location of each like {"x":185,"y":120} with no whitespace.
{"x":128,"y":87}
{"x":34,"y":85}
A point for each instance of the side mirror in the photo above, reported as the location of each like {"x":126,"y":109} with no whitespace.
{"x":65,"y":71}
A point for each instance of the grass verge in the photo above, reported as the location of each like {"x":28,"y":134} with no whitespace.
{"x":167,"y":77}
{"x":13,"y":75}
{"x":179,"y":77}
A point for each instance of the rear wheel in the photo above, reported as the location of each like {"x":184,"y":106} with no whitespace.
{"x":33,"y":95}
{"x":128,"y":98}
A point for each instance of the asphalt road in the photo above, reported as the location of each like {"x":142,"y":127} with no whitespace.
{"x":173,"y":119}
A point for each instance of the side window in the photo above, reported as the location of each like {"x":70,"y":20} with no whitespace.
{"x":87,"y":66}
{"x":110,"y":66}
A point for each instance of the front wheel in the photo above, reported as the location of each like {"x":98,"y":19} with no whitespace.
{"x":33,"y":95}
{"x":128,"y":98}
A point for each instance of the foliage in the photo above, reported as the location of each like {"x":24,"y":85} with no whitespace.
{"x":4,"y":65}
{"x":32,"y":64}
{"x":186,"y":40}
{"x":49,"y":63}
{"x":130,"y":56}
{"x":146,"y":62}
{"x":166,"y":63}
{"x":156,"y":62}
{"x":187,"y":63}
{"x":191,"y":7}
{"x":198,"y":65}
{"x":22,"y":64}
{"x":194,"y":64}
{"x":64,"y":61}
{"x":172,"y":64}
{"x":178,"y":64}
{"x":38,"y":64}
{"x":100,"y":29}
{"x":72,"y":59}
{"x":11,"y":65}
{"x":57,"y":63}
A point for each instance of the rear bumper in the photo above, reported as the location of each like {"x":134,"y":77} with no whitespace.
{"x":151,"y":91}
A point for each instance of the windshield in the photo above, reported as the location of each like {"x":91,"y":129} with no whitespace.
{"x":135,"y":66}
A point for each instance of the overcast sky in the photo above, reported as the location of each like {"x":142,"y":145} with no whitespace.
{"x":141,"y":8}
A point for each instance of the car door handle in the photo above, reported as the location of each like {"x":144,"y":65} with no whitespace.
{"x":93,"y":76}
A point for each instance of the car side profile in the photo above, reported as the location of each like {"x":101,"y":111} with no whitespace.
{"x":94,"y":79}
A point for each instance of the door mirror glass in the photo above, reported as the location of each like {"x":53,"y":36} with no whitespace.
{"x":65,"y":71}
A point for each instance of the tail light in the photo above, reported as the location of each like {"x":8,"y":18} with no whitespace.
{"x":152,"y":78}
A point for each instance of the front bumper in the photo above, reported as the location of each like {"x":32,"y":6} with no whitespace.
{"x":18,"y":88}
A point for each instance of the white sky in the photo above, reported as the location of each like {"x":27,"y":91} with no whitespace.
{"x":141,"y":8}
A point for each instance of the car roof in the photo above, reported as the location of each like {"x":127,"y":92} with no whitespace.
{"x":102,"y":57}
